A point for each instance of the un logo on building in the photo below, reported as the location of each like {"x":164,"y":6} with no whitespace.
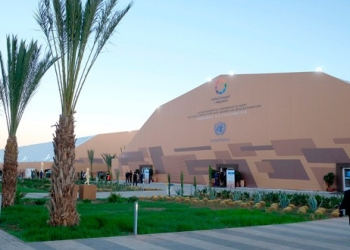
{"x":220,"y":128}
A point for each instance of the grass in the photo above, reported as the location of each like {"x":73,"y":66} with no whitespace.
{"x":44,"y":186}
{"x":32,"y":185}
{"x":101,"y":219}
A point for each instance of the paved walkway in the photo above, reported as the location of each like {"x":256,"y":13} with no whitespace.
{"x":320,"y":234}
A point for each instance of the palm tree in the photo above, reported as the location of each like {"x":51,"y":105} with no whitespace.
{"x":76,"y":33}
{"x":107,"y":158}
{"x":18,"y":85}
{"x":91,"y":154}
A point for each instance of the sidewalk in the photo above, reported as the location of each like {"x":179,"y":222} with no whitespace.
{"x":321,"y":234}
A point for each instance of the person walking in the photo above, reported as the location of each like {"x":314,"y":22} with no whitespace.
{"x":345,"y":204}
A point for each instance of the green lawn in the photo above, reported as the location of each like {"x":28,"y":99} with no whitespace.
{"x":101,"y":219}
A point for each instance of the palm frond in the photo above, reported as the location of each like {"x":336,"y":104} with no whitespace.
{"x":68,"y":27}
{"x":22,"y":78}
{"x":91,"y":155}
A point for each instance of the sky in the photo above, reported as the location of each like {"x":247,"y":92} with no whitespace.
{"x":165,"y":48}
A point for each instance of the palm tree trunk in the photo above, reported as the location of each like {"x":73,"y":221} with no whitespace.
{"x":9,"y":179}
{"x":62,"y":204}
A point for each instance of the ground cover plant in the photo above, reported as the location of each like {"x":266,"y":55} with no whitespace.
{"x":32,"y":185}
{"x":157,"y":214}
{"x":44,"y":185}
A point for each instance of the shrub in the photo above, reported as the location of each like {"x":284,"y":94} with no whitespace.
{"x":257,"y":197}
{"x":283,"y":199}
{"x":114,"y":198}
{"x":19,"y":196}
{"x":313,"y":203}
{"x":132,"y":199}
{"x":237,"y":195}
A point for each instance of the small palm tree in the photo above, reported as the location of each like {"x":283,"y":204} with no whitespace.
{"x":107,"y":158}
{"x":91,"y":154}
{"x":76,"y":31}
{"x":18,"y":85}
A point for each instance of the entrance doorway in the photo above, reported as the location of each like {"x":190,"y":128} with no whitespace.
{"x":221,"y":170}
{"x":146,"y":171}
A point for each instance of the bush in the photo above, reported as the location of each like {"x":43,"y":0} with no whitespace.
{"x":114,"y":198}
{"x":132,"y":199}
{"x":19,"y":196}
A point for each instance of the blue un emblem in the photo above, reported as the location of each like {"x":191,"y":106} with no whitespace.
{"x":220,"y":128}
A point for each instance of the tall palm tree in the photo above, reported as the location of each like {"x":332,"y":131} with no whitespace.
{"x":76,"y":33}
{"x":91,"y":156}
{"x":107,"y":158}
{"x":18,"y":85}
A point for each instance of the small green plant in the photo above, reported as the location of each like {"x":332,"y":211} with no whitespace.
{"x":182,"y":183}
{"x":169,"y":183}
{"x":195,"y":186}
{"x":300,"y":199}
{"x":283,"y":199}
{"x":313,"y":203}
{"x":212,"y":194}
{"x":257,"y":197}
{"x":329,"y":179}
{"x":86,"y":201}
{"x":237,"y":195}
{"x":178,"y":192}
{"x":19,"y":196}
{"x":132,"y":199}
{"x":246,"y":196}
{"x":114,"y":198}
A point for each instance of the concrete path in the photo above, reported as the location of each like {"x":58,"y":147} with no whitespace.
{"x":321,"y":234}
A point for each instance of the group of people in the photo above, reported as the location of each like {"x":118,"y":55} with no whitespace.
{"x":133,"y":178}
{"x":220,"y":178}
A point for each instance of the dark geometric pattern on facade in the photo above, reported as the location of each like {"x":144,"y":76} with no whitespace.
{"x":200,"y":167}
{"x":156,"y":154}
{"x":80,"y":160}
{"x":132,"y":156}
{"x":192,"y":149}
{"x":256,"y":148}
{"x":222,"y":155}
{"x":325,"y":155}
{"x":243,"y":167}
{"x":236,"y":150}
{"x":98,"y":161}
{"x":292,"y":147}
{"x":341,"y":140}
{"x":175,"y":164}
{"x":287,"y":169}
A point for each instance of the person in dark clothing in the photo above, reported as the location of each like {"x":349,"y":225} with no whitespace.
{"x":141,"y":178}
{"x":127,"y":177}
{"x":130,"y":176}
{"x":134,"y":179}
{"x":345,"y":204}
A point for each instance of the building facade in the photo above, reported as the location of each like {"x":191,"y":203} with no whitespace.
{"x":283,"y":130}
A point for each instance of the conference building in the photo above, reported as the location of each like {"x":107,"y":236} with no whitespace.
{"x":284,"y":130}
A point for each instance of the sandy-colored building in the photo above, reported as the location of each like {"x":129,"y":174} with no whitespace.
{"x":284,"y":130}
{"x":40,"y":156}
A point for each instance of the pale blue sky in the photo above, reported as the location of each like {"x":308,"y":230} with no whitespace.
{"x":164,"y":48}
